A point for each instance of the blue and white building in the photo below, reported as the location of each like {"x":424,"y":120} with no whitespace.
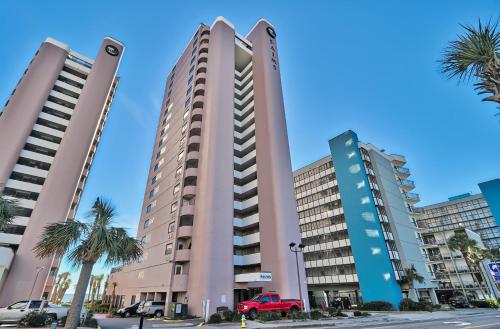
{"x":356,"y":216}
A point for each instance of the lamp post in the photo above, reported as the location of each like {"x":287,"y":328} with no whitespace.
{"x":38,"y":269}
{"x":296,"y":249}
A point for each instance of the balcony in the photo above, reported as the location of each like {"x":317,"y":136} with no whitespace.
{"x":251,"y":259}
{"x":402,"y":172}
{"x":191,"y":172}
{"x":182,"y":255}
{"x":398,"y":160}
{"x":189,"y":191}
{"x":193,"y":155}
{"x":246,"y":221}
{"x":179,"y":283}
{"x":407,"y":185}
{"x":246,"y":240}
{"x":185,"y":232}
{"x":412,"y":198}
{"x":187,"y":210}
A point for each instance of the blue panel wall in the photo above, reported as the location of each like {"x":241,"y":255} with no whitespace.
{"x":373,"y":265}
{"x":491,"y":193}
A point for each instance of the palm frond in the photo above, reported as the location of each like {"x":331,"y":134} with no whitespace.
{"x":58,"y":237}
{"x":123,"y":248}
{"x":472,"y":53}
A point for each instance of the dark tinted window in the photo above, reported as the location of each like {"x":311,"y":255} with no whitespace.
{"x":265,"y":299}
{"x":275,"y":298}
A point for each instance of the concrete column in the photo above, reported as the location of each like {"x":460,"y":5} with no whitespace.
{"x":211,"y":272}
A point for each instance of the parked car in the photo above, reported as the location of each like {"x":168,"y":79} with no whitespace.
{"x":14,"y":312}
{"x":151,"y":308}
{"x":268,"y":303}
{"x":458,"y":302}
{"x":342,"y":302}
{"x":128,"y":311}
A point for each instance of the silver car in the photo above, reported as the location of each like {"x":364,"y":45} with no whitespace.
{"x":151,"y":308}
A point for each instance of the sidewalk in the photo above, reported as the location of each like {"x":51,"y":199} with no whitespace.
{"x":374,"y":318}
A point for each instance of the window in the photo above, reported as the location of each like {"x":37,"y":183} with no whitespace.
{"x":153,"y":180}
{"x":146,"y":223}
{"x":143,"y":240}
{"x":164,"y":122}
{"x":158,"y":155}
{"x":185,"y":115}
{"x":173,"y":207}
{"x":160,"y":143}
{"x":190,"y":79}
{"x":151,"y":193}
{"x":178,"y":172}
{"x":178,"y":269}
{"x":171,"y":227}
{"x":187,"y":102}
{"x":35,"y":304}
{"x":19,"y":305}
{"x":189,"y":90}
{"x":191,"y":69}
{"x":194,"y":51}
{"x":156,"y":167}
{"x":162,"y":132}
{"x":265,"y":299}
{"x":168,"y":249}
{"x":53,"y":271}
{"x":180,"y":156}
{"x":177,"y":188}
{"x":275,"y":298}
{"x":148,"y":208}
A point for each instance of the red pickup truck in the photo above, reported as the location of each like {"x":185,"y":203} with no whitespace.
{"x":268,"y":303}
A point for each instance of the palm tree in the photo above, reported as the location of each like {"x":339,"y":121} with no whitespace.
{"x":9,"y":208}
{"x":473,"y":255}
{"x":412,"y":275}
{"x":97,"y":287}
{"x":86,"y":244}
{"x":64,"y":287}
{"x":475,"y":54}
{"x":61,"y":278}
{"x":113,"y":296}
{"x":90,"y":287}
{"x":103,"y":295}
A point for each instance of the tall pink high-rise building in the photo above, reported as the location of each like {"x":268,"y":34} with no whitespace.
{"x":49,"y":131}
{"x":219,"y":209}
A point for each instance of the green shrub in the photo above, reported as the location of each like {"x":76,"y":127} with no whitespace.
{"x":90,"y":322}
{"x":297,"y":315}
{"x":35,"y":319}
{"x":269,"y":316}
{"x":436,"y":306}
{"x":485,"y":303}
{"x":62,"y":321}
{"x":359,"y":313}
{"x":377,"y":305}
{"x":215,"y":318}
{"x":332,"y":311}
{"x":407,"y":304}
{"x":316,"y":315}
{"x":230,"y":316}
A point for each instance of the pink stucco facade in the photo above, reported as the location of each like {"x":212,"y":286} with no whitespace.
{"x":49,"y":132}
{"x":219,"y":209}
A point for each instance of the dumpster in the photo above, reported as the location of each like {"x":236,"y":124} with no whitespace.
{"x":176,"y":310}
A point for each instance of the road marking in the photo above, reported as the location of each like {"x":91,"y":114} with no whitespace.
{"x":457,"y":323}
{"x":484,"y":325}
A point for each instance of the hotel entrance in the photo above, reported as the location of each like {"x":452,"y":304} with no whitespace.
{"x":245,"y":294}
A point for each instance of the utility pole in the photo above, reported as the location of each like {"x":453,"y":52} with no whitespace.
{"x":296,"y":249}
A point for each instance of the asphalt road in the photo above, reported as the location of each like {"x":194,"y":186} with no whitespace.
{"x":462,"y":320}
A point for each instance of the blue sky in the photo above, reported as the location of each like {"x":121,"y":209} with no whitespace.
{"x":369,"y":66}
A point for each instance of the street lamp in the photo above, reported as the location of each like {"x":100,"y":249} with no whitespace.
{"x":38,"y":269}
{"x":296,"y":249}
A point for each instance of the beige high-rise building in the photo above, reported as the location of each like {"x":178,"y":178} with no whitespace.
{"x":49,"y":131}
{"x":219,"y":209}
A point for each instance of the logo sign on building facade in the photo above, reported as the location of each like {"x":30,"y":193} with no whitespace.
{"x":266,"y":276}
{"x":112,"y":50}
{"x":495,"y":270}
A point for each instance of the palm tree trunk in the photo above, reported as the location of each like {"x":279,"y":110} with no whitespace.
{"x":473,"y":275}
{"x":478,"y":267}
{"x":79,"y":297}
